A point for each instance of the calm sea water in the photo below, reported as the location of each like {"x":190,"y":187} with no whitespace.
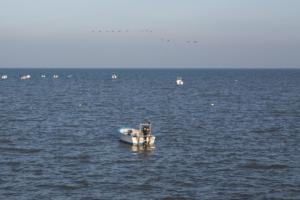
{"x":224,"y":134}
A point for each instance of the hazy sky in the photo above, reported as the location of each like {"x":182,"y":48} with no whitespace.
{"x":153,"y":33}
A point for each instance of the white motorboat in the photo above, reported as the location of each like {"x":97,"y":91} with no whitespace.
{"x":179,"y":81}
{"x":25,"y":77}
{"x":142,"y":136}
{"x":55,"y":76}
{"x":114,"y":76}
{"x":43,"y":76}
{"x":4,"y":77}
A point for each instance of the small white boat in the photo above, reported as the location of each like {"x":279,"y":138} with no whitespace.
{"x":142,"y":136}
{"x":25,"y":77}
{"x":179,"y":81}
{"x":70,"y":76}
{"x":114,"y":76}
{"x":4,"y":77}
{"x":55,"y":76}
{"x":43,"y":76}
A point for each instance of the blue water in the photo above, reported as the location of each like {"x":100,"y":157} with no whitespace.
{"x":59,"y":137}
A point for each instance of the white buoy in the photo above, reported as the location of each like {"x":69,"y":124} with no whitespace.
{"x":212,"y":104}
{"x":25,"y":77}
{"x":4,"y":77}
{"x":179,"y":81}
{"x":114,"y":76}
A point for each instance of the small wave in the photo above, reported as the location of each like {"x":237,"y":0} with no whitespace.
{"x":60,"y":187}
{"x":255,"y":165}
{"x":69,"y":186}
{"x":5,"y":141}
{"x":175,"y":198}
{"x":19,"y":150}
{"x":267,"y":130}
{"x":242,"y":196}
{"x":12,"y":163}
{"x":82,"y":158}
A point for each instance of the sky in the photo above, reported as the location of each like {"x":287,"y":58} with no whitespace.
{"x":150,"y":33}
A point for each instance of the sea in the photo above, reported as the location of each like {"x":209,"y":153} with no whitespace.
{"x":224,"y":134}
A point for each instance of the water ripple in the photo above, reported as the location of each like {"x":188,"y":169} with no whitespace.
{"x":217,"y":138}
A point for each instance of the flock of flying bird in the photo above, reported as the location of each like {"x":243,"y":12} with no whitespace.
{"x":120,"y":31}
{"x":163,"y":40}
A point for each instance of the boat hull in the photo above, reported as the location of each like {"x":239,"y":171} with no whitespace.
{"x":137,"y":140}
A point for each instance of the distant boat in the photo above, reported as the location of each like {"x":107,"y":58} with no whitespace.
{"x":114,"y":76}
{"x":43,"y":76}
{"x":55,"y":76}
{"x":179,"y":81}
{"x":69,"y":76}
{"x":4,"y":77}
{"x":25,"y":77}
{"x":142,"y":136}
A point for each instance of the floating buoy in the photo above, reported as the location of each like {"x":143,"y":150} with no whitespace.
{"x":4,"y":77}
{"x":179,"y":81}
{"x":25,"y":77}
{"x":114,"y":76}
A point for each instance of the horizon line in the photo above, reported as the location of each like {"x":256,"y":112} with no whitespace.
{"x":171,"y":68}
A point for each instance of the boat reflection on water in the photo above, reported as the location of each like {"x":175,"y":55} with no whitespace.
{"x":142,"y":148}
{"x":138,"y":148}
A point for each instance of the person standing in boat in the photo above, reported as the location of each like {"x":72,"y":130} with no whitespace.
{"x":146,"y":128}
